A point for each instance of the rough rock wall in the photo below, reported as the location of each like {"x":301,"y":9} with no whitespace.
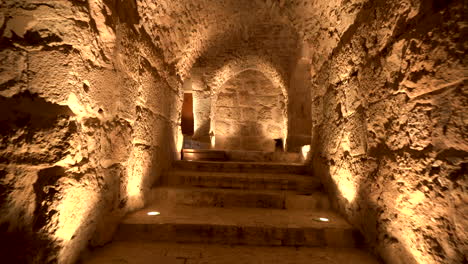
{"x":86,"y":103}
{"x":319,"y":24}
{"x":249,"y":113}
{"x":390,"y":130}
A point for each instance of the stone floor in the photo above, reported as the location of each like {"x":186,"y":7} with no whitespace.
{"x":173,"y":253}
{"x":235,"y":212}
{"x":237,"y":217}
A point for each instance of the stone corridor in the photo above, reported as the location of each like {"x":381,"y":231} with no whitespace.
{"x":241,"y":122}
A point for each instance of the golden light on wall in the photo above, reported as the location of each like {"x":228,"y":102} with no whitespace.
{"x":409,"y":241}
{"x":407,"y":204}
{"x":285,"y":131}
{"x":74,"y":209}
{"x":76,"y":107}
{"x":305,"y":151}
{"x":212,"y":140}
{"x":138,"y":167}
{"x":180,"y":140}
{"x":346,"y":183}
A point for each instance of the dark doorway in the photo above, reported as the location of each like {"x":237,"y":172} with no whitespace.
{"x":187,"y":115}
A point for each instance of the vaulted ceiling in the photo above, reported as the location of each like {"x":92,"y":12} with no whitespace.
{"x":204,"y":32}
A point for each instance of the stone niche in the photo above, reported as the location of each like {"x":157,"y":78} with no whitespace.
{"x":249,"y":113}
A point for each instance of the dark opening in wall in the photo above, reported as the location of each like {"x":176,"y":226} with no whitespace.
{"x":279,"y":144}
{"x":187,"y":115}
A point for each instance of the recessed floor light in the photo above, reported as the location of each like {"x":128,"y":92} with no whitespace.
{"x":153,"y":213}
{"x":323,"y":219}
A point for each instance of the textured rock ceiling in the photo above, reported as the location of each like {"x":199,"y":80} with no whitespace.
{"x":188,"y":30}
{"x":195,"y":31}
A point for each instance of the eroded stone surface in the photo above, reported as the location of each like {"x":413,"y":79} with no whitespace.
{"x":388,"y":132}
{"x":82,"y":123}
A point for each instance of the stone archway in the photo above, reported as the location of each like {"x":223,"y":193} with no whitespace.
{"x":235,"y":66}
{"x":248,"y":113}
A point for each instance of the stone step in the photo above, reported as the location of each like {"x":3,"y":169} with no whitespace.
{"x":258,"y":167}
{"x":215,"y":197}
{"x":240,"y":155}
{"x":239,"y":180}
{"x":203,"y":154}
{"x":191,"y":253}
{"x":261,"y":156}
{"x":238,"y":226}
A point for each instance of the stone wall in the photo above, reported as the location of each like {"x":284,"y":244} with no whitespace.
{"x":89,"y":122}
{"x":389,"y":128}
{"x":249,"y":113}
{"x":299,"y":107}
{"x":201,"y":106}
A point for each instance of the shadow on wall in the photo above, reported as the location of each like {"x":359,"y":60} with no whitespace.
{"x":23,"y":244}
{"x":165,"y":153}
{"x":26,"y":190}
{"x":24,"y":247}
{"x":25,"y":109}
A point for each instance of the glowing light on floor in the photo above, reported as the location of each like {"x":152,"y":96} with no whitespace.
{"x":323,"y":219}
{"x":153,"y":213}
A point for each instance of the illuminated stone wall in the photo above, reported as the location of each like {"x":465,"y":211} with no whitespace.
{"x":249,"y":113}
{"x":88,"y":122}
{"x":389,"y":129}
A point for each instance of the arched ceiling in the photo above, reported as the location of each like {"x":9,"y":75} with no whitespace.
{"x":222,"y":71}
{"x":184,"y":29}
{"x":199,"y":32}
{"x":268,"y":48}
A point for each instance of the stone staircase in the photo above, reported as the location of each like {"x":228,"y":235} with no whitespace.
{"x":235,"y":212}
